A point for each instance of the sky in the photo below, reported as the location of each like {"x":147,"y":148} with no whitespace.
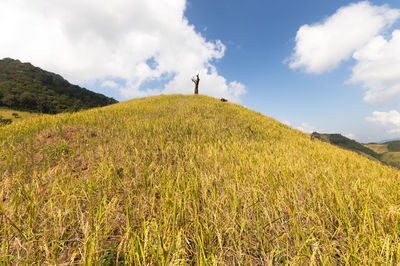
{"x":326,"y":66}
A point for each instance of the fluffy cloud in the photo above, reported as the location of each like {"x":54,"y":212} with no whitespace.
{"x":306,"y":128}
{"x":321,"y":47}
{"x":349,"y":135}
{"x":98,"y":40}
{"x":286,"y":122}
{"x":391,"y":118}
{"x":109,"y":84}
{"x":378,"y":68}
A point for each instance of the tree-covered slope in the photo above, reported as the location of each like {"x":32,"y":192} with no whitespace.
{"x":346,"y":143}
{"x":28,"y":88}
{"x":393,"y":146}
{"x":189,"y":180}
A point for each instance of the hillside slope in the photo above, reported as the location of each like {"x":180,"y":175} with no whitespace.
{"x":348,"y":144}
{"x":28,"y":88}
{"x":189,"y":179}
{"x":8,"y":116}
{"x":389,"y":152}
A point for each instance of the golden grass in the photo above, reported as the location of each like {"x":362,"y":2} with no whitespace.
{"x":189,"y":179}
{"x":8,"y":114}
{"x":378,"y":148}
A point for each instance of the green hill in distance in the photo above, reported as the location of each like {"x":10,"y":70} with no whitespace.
{"x":176,"y":179}
{"x":346,"y":143}
{"x":25,"y":87}
{"x":387,"y":153}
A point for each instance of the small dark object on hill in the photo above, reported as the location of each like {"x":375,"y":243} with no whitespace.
{"x":120,"y":171}
{"x":16,"y":115}
{"x":223,"y":100}
{"x":5,"y":121}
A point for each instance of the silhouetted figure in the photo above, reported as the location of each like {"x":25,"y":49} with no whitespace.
{"x":196,"y":81}
{"x":223,"y":100}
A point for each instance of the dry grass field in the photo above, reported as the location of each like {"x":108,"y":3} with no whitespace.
{"x":189,"y":180}
{"x":19,"y":115}
{"x":378,"y":148}
{"x":389,"y":152}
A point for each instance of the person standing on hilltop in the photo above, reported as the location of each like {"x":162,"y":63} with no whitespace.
{"x":196,"y":81}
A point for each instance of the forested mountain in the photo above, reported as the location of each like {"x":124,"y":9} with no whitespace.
{"x":29,"y":88}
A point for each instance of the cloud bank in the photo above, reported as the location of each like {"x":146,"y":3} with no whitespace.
{"x":97,"y":40}
{"x":354,"y":31}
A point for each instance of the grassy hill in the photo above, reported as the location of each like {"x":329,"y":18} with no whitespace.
{"x":25,"y":87}
{"x":189,"y":179}
{"x":15,"y":115}
{"x":8,"y":116}
{"x":389,"y":152}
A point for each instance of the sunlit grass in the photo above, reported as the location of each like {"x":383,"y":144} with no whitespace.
{"x":378,"y":148}
{"x":388,"y":156}
{"x":189,"y":179}
{"x":15,"y":116}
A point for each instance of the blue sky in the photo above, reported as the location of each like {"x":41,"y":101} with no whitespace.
{"x":259,"y":36}
{"x":327,"y":66}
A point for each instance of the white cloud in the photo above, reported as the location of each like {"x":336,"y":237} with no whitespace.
{"x":378,"y":69}
{"x":350,"y":135}
{"x":323,"y":46}
{"x":306,"y":128}
{"x":109,"y":84}
{"x":391,"y":118}
{"x":133,"y":41}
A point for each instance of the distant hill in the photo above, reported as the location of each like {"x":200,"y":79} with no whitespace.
{"x":346,"y":143}
{"x":25,"y":87}
{"x":386,"y":140}
{"x":387,"y":153}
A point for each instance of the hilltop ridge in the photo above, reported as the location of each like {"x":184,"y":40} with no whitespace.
{"x":189,"y":180}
